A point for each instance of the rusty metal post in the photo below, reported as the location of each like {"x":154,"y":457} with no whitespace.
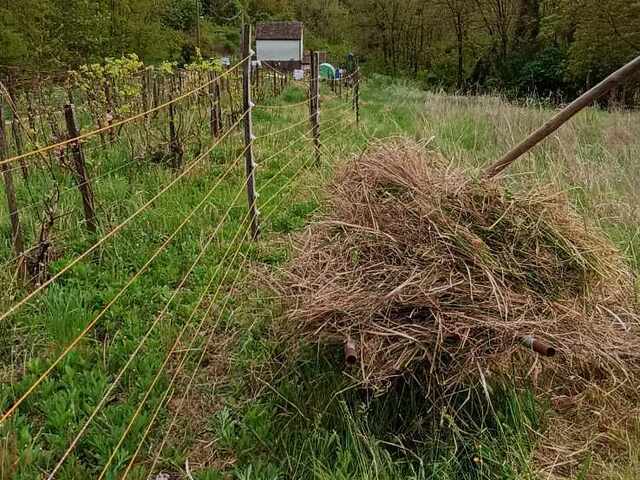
{"x":350,"y":352}
{"x":538,"y":346}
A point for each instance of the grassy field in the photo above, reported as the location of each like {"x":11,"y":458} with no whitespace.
{"x":234,"y":400}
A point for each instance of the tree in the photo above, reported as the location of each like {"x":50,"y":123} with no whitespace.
{"x":606,"y":37}
{"x":459,"y":17}
{"x":499,"y":18}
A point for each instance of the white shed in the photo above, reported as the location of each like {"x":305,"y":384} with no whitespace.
{"x":280,"y":44}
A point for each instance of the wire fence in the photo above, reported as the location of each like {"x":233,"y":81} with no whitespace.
{"x":73,"y":183}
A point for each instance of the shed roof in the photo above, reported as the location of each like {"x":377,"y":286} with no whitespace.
{"x":278,"y":30}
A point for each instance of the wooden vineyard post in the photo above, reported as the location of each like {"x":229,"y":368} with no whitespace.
{"x":216,"y":108}
{"x":7,"y":175}
{"x":356,"y":95}
{"x":110,"y":109}
{"x":314,"y":102}
{"x":218,"y":104}
{"x":155,"y":94}
{"x":70,"y":94}
{"x":213,"y":109}
{"x":180,"y":83}
{"x":15,"y":125}
{"x":82,"y":179}
{"x":310,"y":94}
{"x":17,"y":140}
{"x":31,"y":116}
{"x":248,"y":131}
{"x":145,"y":93}
{"x":232,"y":113}
{"x":174,"y":142}
{"x":53,"y":125}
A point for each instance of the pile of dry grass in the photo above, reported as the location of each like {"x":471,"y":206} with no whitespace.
{"x":421,"y":265}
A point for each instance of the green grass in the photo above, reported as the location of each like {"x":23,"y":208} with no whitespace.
{"x":311,"y":423}
{"x":258,"y":409}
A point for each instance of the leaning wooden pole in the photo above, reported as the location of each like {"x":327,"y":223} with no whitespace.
{"x":248,"y":131}
{"x":563,"y":116}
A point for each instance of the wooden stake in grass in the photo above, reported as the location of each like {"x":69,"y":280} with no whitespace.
{"x":248,"y":130}
{"x":82,"y":179}
{"x":16,"y":229}
{"x":563,"y":116}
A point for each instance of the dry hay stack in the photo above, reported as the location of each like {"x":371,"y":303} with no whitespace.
{"x":422,"y":265}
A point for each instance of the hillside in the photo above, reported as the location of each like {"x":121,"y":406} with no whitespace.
{"x":548,"y":48}
{"x":215,"y":389}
